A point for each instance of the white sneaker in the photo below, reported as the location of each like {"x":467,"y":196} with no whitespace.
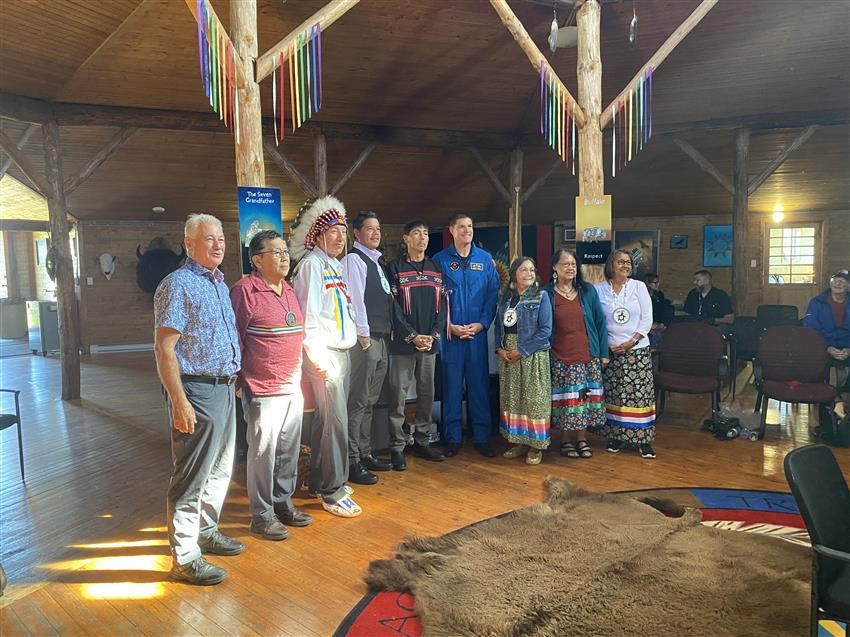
{"x":345,"y":508}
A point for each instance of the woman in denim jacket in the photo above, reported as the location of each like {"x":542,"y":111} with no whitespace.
{"x":523,"y":329}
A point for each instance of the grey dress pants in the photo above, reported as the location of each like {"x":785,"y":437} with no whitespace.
{"x":368,"y":371}
{"x":406,"y":371}
{"x":274,"y":444}
{"x":329,"y":433}
{"x":203,"y":462}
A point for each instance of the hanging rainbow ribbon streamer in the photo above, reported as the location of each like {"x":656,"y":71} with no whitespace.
{"x":217,"y":66}
{"x":305,"y":80}
{"x":631,"y":122}
{"x":557,"y":124}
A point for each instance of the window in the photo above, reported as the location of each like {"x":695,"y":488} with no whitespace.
{"x":791,"y":255}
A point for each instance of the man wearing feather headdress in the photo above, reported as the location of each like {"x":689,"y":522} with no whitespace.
{"x":317,"y":240}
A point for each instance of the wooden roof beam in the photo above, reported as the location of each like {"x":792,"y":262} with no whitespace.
{"x":661,"y":54}
{"x":300,"y":180}
{"x":541,"y":180}
{"x":22,"y":140}
{"x":535,"y":56}
{"x":117,"y":141}
{"x":361,"y":159}
{"x":703,"y":163}
{"x":491,"y":176}
{"x":780,"y":158}
{"x":10,"y":148}
{"x":326,"y":16}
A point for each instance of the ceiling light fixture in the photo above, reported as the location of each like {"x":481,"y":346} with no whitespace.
{"x":158,"y":210}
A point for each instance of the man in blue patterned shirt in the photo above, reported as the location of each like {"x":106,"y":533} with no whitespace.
{"x":197,"y":357}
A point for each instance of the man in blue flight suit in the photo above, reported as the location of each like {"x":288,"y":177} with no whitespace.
{"x":472,"y":286}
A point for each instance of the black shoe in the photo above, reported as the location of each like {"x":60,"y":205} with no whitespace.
{"x":646,"y":451}
{"x":427,"y":452}
{"x":294,"y":517}
{"x":452,"y":449}
{"x":485,"y":449}
{"x":614,"y":446}
{"x":271,"y":529}
{"x":198,"y":572}
{"x":219,"y":544}
{"x":375,"y":464}
{"x":358,"y":474}
{"x":397,"y":461}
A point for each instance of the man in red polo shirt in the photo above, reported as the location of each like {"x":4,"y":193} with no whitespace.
{"x":271,"y":333}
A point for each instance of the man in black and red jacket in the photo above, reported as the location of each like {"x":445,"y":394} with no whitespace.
{"x":418,"y":322}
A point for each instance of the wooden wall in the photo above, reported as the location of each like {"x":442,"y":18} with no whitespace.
{"x":117,"y":311}
{"x":676,"y":267}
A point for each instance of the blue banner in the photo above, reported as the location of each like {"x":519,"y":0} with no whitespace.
{"x":259,"y":209}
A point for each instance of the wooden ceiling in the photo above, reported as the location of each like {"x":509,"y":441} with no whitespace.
{"x":440,"y":64}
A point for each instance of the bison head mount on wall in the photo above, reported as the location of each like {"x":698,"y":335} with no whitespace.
{"x":156,"y":263}
{"x":107,"y":263}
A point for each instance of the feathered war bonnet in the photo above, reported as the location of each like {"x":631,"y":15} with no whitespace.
{"x":313,"y":219}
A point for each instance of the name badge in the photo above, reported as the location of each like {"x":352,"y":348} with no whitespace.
{"x":510,"y":317}
{"x":476,"y":266}
{"x":385,"y":284}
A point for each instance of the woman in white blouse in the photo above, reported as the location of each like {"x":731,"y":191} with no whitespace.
{"x":628,"y":382}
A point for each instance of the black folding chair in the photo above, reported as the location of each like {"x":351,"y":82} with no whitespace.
{"x":823,"y":498}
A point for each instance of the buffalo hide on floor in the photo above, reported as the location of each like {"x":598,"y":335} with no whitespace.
{"x":590,"y":564}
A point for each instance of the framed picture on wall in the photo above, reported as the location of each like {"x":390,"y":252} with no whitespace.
{"x":679,"y":242}
{"x":717,"y":246}
{"x":643,"y":246}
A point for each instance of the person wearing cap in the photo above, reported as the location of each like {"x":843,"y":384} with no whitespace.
{"x":317,"y":241}
{"x":472,"y":285}
{"x":197,"y":358}
{"x":829,"y":314}
{"x":271,"y":334}
{"x":370,"y":295}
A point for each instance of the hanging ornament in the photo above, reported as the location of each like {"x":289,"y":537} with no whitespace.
{"x":633,"y":27}
{"x":304,"y":56}
{"x":557,"y":124}
{"x":217,"y":66}
{"x":553,"y":32}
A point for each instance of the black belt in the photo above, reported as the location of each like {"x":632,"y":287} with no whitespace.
{"x":210,"y":380}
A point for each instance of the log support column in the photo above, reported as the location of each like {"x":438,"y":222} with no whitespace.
{"x":69,"y":321}
{"x":515,"y":211}
{"x":591,"y":181}
{"x":250,"y":169}
{"x":320,"y":159}
{"x":739,"y":218}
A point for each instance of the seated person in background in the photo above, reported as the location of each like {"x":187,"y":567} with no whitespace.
{"x":709,"y":303}
{"x":662,"y":309}
{"x":828,"y":313}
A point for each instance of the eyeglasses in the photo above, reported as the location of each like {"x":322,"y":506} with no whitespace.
{"x":277,"y":253}
{"x":623,"y":262}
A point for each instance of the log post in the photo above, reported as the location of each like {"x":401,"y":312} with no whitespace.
{"x":320,"y":162}
{"x":250,"y":169}
{"x":739,"y":218}
{"x":591,"y":181}
{"x":69,"y":322}
{"x":515,"y":212}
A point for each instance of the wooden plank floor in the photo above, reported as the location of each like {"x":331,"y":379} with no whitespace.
{"x":83,"y":539}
